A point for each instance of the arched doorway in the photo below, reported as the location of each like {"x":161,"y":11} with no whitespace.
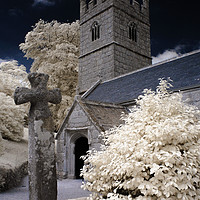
{"x":81,"y":147}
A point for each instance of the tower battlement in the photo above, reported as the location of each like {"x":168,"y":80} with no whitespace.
{"x":87,"y":6}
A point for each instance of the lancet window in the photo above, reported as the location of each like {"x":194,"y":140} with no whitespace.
{"x":95,"y":31}
{"x":87,"y":4}
{"x":132,"y":31}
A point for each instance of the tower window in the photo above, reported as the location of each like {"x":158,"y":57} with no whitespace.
{"x":94,"y":2}
{"x":140,"y":1}
{"x":95,"y":31}
{"x":87,"y":4}
{"x":132,"y":31}
{"x":131,"y":2}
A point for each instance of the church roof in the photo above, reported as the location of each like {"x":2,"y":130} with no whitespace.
{"x":105,"y":116}
{"x":183,"y":70}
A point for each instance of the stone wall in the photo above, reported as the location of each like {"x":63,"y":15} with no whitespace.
{"x":13,"y":163}
{"x":123,"y":59}
{"x":92,"y":67}
{"x":78,"y":125}
{"x":96,"y":57}
{"x":113,"y":54}
{"x":192,"y":97}
{"x":105,"y":21}
{"x":130,"y":55}
{"x":123,"y":15}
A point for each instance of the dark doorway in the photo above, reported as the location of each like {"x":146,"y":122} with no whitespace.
{"x":81,"y":147}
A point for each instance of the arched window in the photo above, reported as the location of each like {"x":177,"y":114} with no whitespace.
{"x":132,"y":31}
{"x":140,"y":1}
{"x":94,"y":2}
{"x":95,"y":31}
{"x":87,"y":4}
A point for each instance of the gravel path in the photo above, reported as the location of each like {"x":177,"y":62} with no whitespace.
{"x":67,"y":189}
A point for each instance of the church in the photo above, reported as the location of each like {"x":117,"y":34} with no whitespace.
{"x":115,"y":67}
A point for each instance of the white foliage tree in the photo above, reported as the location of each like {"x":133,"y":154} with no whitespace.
{"x":54,"y":47}
{"x":12,"y":117}
{"x":154,"y":155}
{"x":12,"y":75}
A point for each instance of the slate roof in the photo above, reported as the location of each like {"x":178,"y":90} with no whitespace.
{"x":183,"y":70}
{"x":105,"y":116}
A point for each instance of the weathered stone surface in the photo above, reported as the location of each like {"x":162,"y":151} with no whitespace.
{"x":38,"y":96}
{"x":87,"y":120}
{"x":192,"y":97}
{"x":42,"y":166}
{"x":113,"y":54}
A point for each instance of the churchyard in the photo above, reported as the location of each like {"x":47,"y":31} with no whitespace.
{"x":153,"y":155}
{"x":120,"y":123}
{"x":42,"y":179}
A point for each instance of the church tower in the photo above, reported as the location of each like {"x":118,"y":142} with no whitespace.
{"x":115,"y":39}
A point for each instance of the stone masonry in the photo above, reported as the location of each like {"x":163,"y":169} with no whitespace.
{"x":113,"y":54}
{"x":192,"y":96}
{"x":78,"y":124}
{"x":42,"y":162}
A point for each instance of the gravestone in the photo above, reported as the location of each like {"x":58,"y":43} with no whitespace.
{"x":42,"y":162}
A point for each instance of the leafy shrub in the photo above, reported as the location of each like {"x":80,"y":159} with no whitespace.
{"x":154,"y":155}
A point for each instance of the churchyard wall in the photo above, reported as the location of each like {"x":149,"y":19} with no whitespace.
{"x":192,"y":97}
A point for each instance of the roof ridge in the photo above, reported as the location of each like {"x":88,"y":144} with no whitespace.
{"x":87,"y":93}
{"x":154,"y":65}
{"x":103,"y":104}
{"x":177,"y":57}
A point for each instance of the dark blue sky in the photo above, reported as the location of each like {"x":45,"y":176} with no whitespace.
{"x":174,"y":23}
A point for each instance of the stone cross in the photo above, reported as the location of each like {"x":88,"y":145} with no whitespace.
{"x":42,"y":162}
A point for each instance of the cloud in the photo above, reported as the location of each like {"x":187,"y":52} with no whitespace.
{"x":167,"y":54}
{"x":44,"y":2}
{"x":172,"y":53}
{"x":7,"y":60}
{"x":3,"y":60}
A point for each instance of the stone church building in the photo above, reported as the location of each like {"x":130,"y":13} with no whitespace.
{"x":114,"y":68}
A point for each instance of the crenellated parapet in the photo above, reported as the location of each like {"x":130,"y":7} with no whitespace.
{"x":90,"y":6}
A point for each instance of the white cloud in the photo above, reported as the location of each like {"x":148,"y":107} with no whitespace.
{"x":44,"y":2}
{"x":172,"y":53}
{"x":3,"y":60}
{"x":167,"y":54}
{"x":7,"y":59}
